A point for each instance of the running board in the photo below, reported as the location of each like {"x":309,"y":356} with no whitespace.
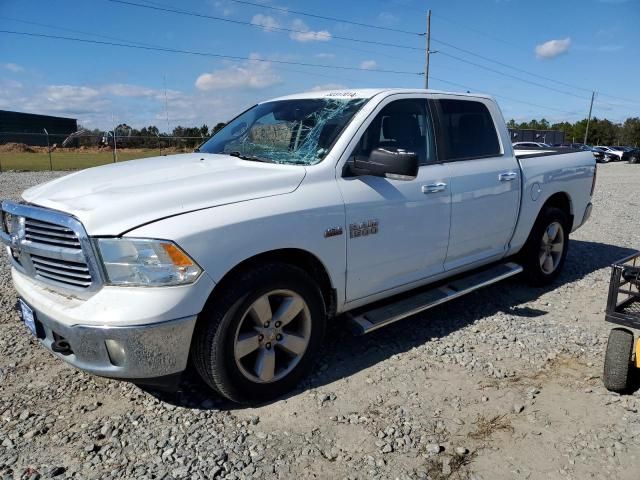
{"x":379,"y":317}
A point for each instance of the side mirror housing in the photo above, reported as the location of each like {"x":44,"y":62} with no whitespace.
{"x":398,"y":164}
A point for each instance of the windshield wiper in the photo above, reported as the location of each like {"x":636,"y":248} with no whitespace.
{"x":252,"y":158}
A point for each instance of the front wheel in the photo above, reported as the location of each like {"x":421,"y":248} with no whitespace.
{"x":634,"y":159}
{"x":259,"y":338}
{"x":546,"y":248}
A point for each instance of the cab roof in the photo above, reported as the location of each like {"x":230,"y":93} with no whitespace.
{"x":371,"y":92}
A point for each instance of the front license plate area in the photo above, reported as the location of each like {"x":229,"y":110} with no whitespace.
{"x":28,"y":317}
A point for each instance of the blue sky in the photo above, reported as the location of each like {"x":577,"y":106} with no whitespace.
{"x":584,"y":44}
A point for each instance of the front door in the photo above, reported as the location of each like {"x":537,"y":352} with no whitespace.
{"x":398,"y":229}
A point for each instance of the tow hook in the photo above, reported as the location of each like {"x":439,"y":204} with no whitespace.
{"x":62,"y":347}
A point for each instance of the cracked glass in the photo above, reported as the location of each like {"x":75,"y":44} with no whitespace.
{"x":299,"y":131}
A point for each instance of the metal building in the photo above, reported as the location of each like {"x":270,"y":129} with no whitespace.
{"x":29,"y":128}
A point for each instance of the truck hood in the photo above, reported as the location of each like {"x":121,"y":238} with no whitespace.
{"x":113,"y":199}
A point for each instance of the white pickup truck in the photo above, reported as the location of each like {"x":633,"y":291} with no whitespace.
{"x":365,"y":205}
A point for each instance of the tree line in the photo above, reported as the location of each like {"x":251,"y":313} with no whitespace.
{"x":149,"y":137}
{"x":601,"y":131}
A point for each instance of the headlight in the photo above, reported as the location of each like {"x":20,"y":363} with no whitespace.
{"x":146,"y":262}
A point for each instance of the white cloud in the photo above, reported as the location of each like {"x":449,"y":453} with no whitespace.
{"x":368,"y":64}
{"x":253,"y":74}
{"x":328,"y":86}
{"x":553,"y":48}
{"x":304,"y":34}
{"x":267,"y":22}
{"x":13,"y":67}
{"x":388,"y":18}
{"x":325,"y":55}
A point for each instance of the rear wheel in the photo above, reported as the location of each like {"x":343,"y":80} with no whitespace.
{"x":634,"y":159}
{"x":546,"y":248}
{"x":617,"y":361}
{"x":258,"y":338}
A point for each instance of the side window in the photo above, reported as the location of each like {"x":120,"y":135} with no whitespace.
{"x":468,"y":129}
{"x":401,"y":125}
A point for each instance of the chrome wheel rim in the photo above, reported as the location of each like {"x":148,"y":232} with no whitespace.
{"x":272,"y":336}
{"x":551,"y":247}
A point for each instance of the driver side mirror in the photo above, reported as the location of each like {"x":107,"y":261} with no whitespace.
{"x":382,"y":162}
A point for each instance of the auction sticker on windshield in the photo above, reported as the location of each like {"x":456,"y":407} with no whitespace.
{"x":27,"y":316}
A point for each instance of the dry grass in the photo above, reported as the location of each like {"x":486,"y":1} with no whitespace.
{"x":485,"y":427}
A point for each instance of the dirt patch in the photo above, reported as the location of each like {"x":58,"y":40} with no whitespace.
{"x":17,"y":148}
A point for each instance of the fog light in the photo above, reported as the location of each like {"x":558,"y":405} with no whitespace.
{"x":117,"y":353}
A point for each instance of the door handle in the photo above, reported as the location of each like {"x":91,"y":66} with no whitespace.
{"x":434,"y":187}
{"x":507,"y":176}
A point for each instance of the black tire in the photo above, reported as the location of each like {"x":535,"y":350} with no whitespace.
{"x":213,"y":342}
{"x":617,"y":361}
{"x":530,"y":254}
{"x":633,"y":159}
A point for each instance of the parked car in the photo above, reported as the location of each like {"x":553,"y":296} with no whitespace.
{"x":600,"y":154}
{"x":614,"y":154}
{"x":310,"y":207}
{"x":523,"y":145}
{"x":634,"y":155}
{"x":574,"y":146}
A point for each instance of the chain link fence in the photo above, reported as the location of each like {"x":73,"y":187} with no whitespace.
{"x":43,"y":151}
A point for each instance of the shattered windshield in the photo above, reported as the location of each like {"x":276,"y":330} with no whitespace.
{"x":298,"y":131}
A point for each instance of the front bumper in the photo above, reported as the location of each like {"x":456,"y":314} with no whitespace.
{"x":130,"y":353}
{"x":124,"y":333}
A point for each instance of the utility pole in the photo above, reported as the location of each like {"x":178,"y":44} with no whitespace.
{"x":586,"y":133}
{"x":166,"y":104}
{"x":115,"y":144}
{"x":428,"y":51}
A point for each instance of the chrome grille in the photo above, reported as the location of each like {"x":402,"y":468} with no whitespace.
{"x":50,"y":234}
{"x":50,"y":246}
{"x":72,"y":273}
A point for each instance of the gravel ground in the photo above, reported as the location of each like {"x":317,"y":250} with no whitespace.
{"x":504,"y":383}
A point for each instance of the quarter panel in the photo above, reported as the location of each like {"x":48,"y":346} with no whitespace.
{"x":571,"y":173}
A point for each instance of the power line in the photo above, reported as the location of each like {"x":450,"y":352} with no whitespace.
{"x":202,"y":54}
{"x":161,"y":7}
{"x":334,"y":19}
{"x":530,"y":82}
{"x":466,"y":87}
{"x":255,"y":25}
{"x":488,"y":59}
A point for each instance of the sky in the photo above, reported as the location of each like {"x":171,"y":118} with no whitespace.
{"x":539,"y":59}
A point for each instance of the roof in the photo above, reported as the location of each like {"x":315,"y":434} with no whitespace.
{"x":370,"y":92}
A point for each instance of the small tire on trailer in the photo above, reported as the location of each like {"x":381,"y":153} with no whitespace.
{"x":617,"y":361}
{"x":258,"y":337}
{"x":545,"y":250}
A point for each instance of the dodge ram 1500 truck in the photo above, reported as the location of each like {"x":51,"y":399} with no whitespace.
{"x":365,"y":205}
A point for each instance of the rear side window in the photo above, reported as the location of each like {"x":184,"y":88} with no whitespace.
{"x":467,"y":130}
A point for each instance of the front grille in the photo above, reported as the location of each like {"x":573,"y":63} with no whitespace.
{"x":62,"y":271}
{"x":51,"y":247}
{"x":38,"y":231}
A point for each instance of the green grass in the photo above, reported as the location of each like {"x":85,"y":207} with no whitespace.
{"x":68,"y":160}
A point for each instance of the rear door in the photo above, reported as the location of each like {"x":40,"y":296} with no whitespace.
{"x":484,"y":180}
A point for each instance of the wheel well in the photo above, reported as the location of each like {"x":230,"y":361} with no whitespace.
{"x":562,"y":201}
{"x":290,"y":256}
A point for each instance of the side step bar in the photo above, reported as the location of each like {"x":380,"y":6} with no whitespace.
{"x":381,"y":316}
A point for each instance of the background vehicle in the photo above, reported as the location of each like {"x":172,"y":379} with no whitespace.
{"x":530,"y":145}
{"x":613,"y":154}
{"x":371,"y":205}
{"x":634,"y":155}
